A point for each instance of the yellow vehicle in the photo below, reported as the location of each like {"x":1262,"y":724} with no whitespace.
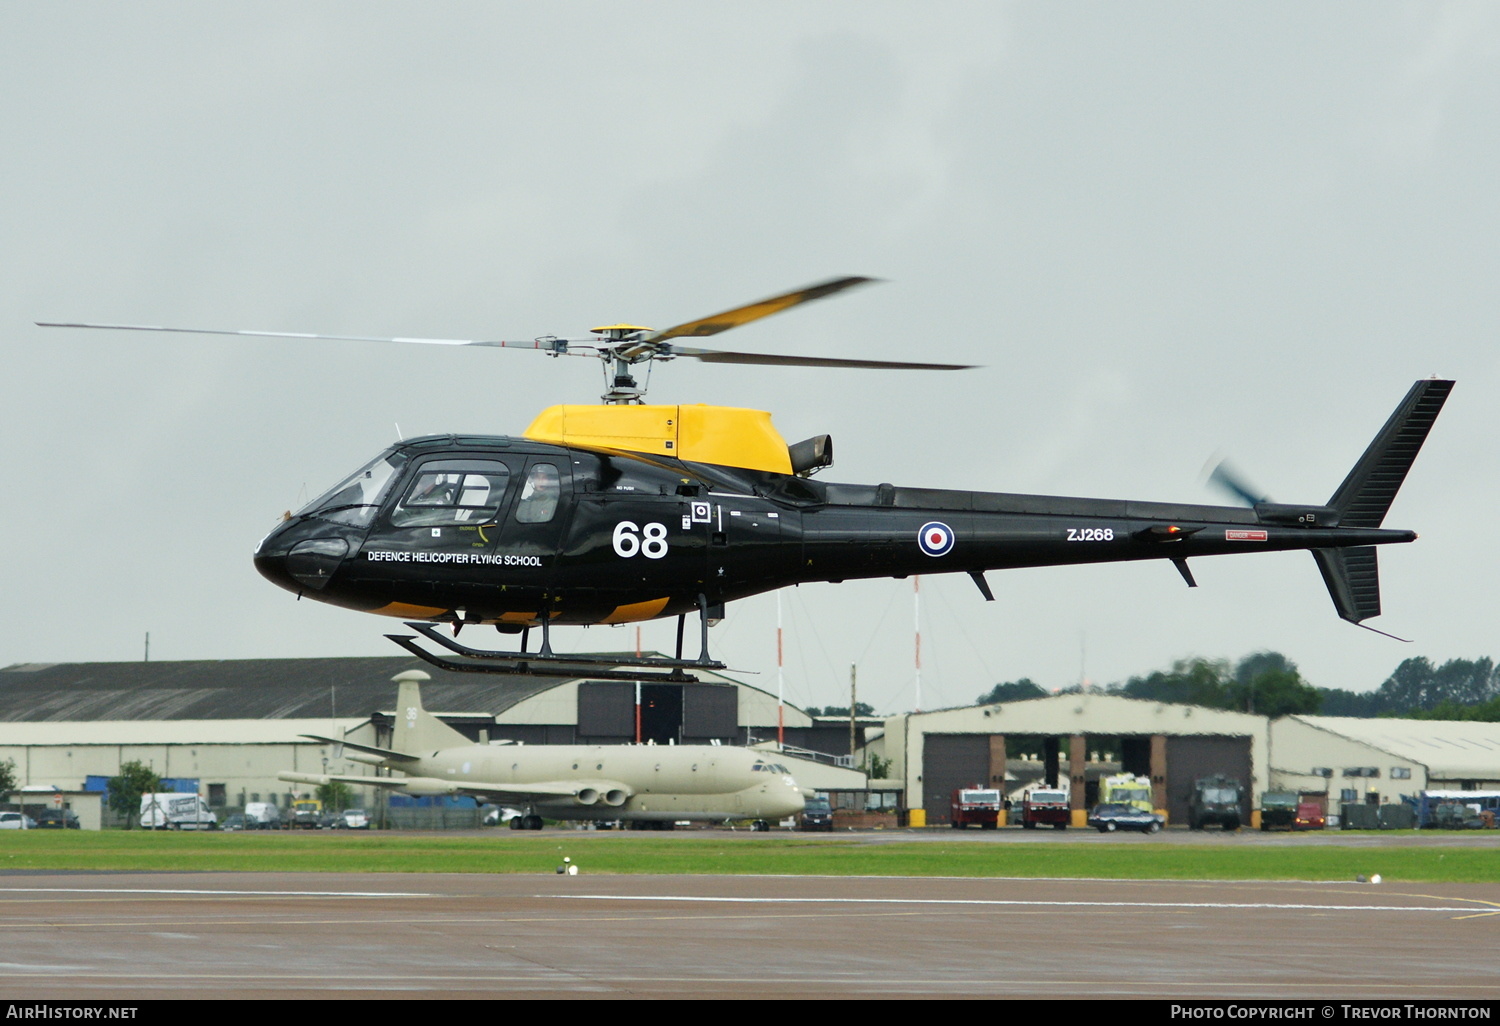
{"x":1126,"y":789}
{"x":307,"y":813}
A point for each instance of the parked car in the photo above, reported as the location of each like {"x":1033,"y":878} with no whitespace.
{"x":1112,"y":816}
{"x":16,"y":821}
{"x":817,"y":814}
{"x":1310,"y":816}
{"x":234,"y":822}
{"x":353,"y":819}
{"x":57,"y":819}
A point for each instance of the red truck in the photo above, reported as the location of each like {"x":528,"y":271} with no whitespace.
{"x":975,"y":805}
{"x":1045,"y":805}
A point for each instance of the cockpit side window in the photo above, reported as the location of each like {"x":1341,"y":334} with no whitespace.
{"x":539,"y":495}
{"x":453,"y":492}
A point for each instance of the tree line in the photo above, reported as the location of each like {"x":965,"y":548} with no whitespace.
{"x":1270,"y":684}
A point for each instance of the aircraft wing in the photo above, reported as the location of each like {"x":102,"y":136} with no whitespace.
{"x":584,"y":792}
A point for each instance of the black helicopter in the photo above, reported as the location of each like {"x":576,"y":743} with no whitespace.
{"x":627,"y":512}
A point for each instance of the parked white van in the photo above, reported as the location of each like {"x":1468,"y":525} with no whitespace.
{"x":169,"y":810}
{"x":262,"y":816}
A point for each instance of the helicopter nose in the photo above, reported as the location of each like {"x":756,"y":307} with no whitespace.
{"x":299,"y":563}
{"x":270,"y":559}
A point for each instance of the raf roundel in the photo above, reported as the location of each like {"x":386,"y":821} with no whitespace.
{"x":935,"y":539}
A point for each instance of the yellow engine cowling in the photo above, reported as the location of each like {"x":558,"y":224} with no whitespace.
{"x":722,"y":435}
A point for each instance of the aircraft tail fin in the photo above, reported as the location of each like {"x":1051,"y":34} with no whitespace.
{"x":416,"y":729}
{"x":1352,"y":575}
{"x":1353,"y":579}
{"x":1367,"y":493}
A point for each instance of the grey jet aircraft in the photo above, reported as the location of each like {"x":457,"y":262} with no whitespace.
{"x":648,"y":784}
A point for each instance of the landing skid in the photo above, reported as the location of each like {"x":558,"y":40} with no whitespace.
{"x":467,"y":659}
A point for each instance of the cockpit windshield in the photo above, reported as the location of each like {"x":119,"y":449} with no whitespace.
{"x":770,"y":767}
{"x":355,"y":499}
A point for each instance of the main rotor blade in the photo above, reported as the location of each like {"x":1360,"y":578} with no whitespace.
{"x":721,"y":356}
{"x":547,"y":344}
{"x":706,"y":326}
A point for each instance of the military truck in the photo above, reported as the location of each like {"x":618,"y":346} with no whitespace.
{"x":1126,"y":789}
{"x":1215,"y":800}
{"x":1278,"y":810}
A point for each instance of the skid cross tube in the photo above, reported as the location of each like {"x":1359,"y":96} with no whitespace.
{"x":613,"y":667}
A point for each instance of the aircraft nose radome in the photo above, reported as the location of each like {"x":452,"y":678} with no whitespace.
{"x":301,"y":559}
{"x":271,"y":564}
{"x":796,"y":797}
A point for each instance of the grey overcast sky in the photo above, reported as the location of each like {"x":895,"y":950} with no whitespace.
{"x":1167,"y":231}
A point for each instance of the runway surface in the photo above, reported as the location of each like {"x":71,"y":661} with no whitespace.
{"x":122,"y":936}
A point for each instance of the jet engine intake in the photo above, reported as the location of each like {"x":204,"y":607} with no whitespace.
{"x":586,"y":796}
{"x":616,"y":796}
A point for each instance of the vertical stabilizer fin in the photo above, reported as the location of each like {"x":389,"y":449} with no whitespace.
{"x":416,"y":729}
{"x":1366,"y":494}
{"x":1353,"y":579}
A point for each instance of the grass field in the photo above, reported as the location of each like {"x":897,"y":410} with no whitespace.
{"x":707,"y":853}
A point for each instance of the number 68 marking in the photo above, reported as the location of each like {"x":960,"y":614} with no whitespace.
{"x":651,"y":542}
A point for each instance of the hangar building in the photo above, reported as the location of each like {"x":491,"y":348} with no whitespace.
{"x":935,"y":752}
{"x":1372,"y":761}
{"x":235,"y":724}
{"x":1378,"y":760}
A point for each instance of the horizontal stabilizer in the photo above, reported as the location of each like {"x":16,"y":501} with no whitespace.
{"x":1366,"y":494}
{"x":384,"y":753}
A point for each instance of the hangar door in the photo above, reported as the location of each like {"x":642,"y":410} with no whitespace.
{"x":670,"y":713}
{"x":951,"y":761}
{"x":1203,"y":755}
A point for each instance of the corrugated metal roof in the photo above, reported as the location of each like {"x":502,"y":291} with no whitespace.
{"x":1448,"y":748}
{"x":247,"y":689}
{"x":241,"y":689}
{"x":172,"y":732}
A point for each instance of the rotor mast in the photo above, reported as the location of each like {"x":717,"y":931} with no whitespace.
{"x":620,"y":349}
